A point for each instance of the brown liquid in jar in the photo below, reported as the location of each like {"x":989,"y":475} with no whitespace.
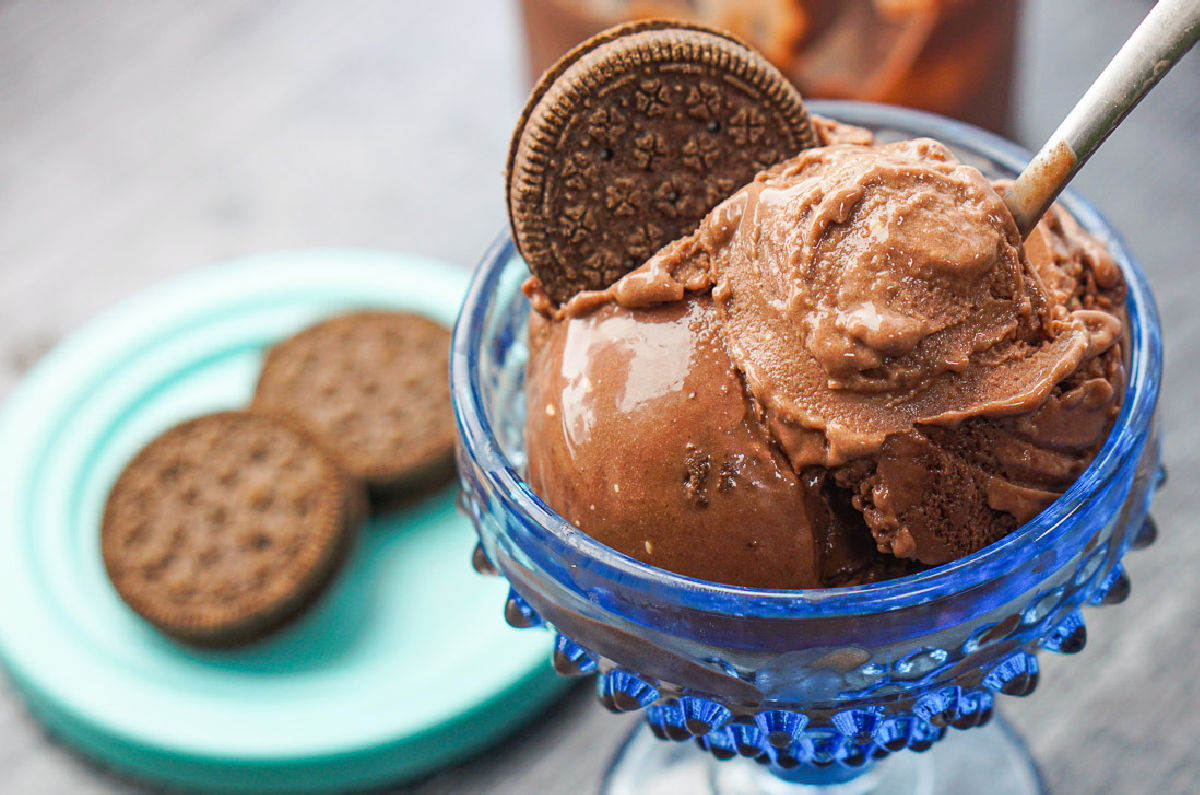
{"x":953,"y":57}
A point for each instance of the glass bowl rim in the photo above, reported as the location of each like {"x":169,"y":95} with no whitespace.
{"x":558,"y":538}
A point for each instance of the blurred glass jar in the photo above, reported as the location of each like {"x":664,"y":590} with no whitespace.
{"x":953,"y":57}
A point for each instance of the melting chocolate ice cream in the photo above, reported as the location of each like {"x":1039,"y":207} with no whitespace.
{"x":852,"y":369}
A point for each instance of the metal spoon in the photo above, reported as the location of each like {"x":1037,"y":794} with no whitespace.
{"x":1165,"y":35}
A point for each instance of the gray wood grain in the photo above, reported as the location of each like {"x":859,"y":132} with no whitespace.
{"x":138,"y":140}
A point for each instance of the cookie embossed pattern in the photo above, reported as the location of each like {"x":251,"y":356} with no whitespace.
{"x":626,"y":151}
{"x":819,"y":684}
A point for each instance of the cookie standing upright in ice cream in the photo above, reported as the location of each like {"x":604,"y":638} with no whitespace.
{"x":852,"y":363}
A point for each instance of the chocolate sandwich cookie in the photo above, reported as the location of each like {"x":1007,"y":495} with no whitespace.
{"x":373,"y":388}
{"x":224,"y":527}
{"x":630,"y":139}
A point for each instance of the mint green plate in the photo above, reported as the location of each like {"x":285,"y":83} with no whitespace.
{"x":404,"y":665}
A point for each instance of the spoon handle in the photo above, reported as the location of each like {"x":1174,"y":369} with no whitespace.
{"x":1167,"y":32}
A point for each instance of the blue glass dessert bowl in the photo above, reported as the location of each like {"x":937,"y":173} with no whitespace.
{"x":816,"y":685}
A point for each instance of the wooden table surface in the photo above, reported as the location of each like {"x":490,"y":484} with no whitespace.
{"x":139,"y":140}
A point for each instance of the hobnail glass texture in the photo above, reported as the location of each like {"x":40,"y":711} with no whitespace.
{"x":815,"y":678}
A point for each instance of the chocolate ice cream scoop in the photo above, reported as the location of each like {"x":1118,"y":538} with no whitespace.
{"x":865,"y":290}
{"x":640,"y":434}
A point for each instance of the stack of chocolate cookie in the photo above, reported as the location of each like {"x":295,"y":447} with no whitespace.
{"x":228,"y":525}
